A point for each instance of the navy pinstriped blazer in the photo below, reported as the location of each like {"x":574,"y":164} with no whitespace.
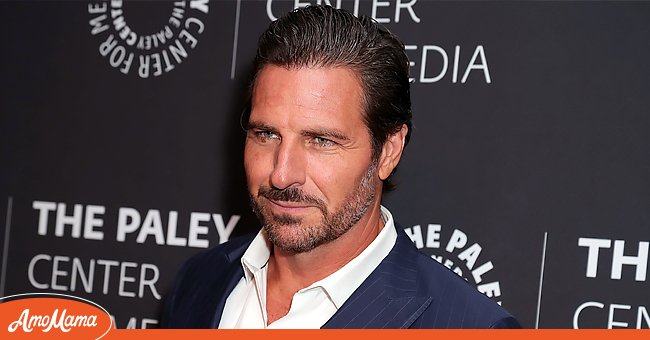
{"x":407,"y":290}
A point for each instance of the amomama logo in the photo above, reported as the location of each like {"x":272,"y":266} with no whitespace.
{"x":455,"y":251}
{"x":38,"y":313}
{"x":141,"y":45}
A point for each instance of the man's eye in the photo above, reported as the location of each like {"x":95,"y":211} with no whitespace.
{"x":323,"y":142}
{"x":264,"y":136}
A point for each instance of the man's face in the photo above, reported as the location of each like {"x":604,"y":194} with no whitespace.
{"x":308,"y":155}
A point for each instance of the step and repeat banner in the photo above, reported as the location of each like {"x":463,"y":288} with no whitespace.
{"x":528,"y":173}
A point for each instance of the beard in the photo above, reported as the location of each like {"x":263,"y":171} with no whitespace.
{"x":288,"y":232}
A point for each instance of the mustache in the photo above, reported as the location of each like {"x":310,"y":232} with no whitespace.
{"x":290,"y":194}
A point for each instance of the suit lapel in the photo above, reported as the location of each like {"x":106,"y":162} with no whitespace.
{"x":387,"y":298}
{"x":207,"y":294}
{"x":235,"y":273}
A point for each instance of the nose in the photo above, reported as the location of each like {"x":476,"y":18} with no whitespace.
{"x":290,"y":165}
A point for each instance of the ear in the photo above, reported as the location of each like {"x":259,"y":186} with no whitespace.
{"x":391,"y":152}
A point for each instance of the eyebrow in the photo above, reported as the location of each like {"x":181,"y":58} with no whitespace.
{"x":330,"y":133}
{"x":260,"y":126}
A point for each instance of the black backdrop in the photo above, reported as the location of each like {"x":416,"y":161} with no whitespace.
{"x":528,"y":172}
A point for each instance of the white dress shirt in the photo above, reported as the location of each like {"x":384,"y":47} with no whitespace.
{"x":312,"y":306}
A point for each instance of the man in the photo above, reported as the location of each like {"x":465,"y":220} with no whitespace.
{"x":330,"y":117}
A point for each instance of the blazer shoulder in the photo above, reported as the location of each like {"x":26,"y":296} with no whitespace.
{"x":455,"y":303}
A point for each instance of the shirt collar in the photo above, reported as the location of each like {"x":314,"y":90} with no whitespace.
{"x":256,"y":256}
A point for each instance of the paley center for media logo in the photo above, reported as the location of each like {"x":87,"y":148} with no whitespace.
{"x":147,"y":54}
{"x":456,"y":251}
{"x":39,"y":313}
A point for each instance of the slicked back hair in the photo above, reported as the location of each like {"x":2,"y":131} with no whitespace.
{"x":323,"y":36}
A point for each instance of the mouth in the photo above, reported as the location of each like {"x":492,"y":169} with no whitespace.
{"x":289,"y":207}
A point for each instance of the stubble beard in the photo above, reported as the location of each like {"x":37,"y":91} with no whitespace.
{"x":288,"y":232}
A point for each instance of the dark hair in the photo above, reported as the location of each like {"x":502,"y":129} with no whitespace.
{"x":323,"y":36}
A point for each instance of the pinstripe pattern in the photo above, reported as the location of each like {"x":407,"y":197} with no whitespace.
{"x":407,"y":290}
